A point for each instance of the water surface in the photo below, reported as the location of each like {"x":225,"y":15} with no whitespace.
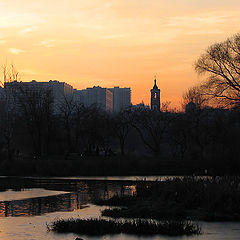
{"x":26,"y":208}
{"x":11,"y":194}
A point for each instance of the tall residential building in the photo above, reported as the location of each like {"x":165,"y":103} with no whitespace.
{"x":60,"y":90}
{"x":155,"y":97}
{"x":101,"y":97}
{"x":121,"y":98}
{"x":80,"y":96}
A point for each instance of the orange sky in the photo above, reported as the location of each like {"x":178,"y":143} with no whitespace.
{"x":114,"y":43}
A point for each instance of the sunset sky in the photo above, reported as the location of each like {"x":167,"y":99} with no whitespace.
{"x":114,"y":43}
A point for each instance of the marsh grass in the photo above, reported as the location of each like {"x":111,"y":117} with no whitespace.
{"x":100,"y":226}
{"x":208,"y":199}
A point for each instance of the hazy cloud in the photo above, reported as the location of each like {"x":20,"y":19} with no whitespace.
{"x":201,"y":19}
{"x":18,"y":20}
{"x":47,"y":43}
{"x":114,"y":36}
{"x":27,"y":71}
{"x":28,"y":30}
{"x":88,"y":25}
{"x":204,"y":32}
{"x":15,"y":51}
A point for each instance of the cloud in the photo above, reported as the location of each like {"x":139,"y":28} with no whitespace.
{"x":205,"y":32}
{"x":89,"y":25}
{"x":13,"y":20}
{"x":27,"y":71}
{"x":15,"y":51}
{"x":193,"y":20}
{"x":202,"y":20}
{"x":28,"y":30}
{"x":114,"y":36}
{"x":46,"y":43}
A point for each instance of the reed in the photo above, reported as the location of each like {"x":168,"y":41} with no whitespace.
{"x":100,"y":226}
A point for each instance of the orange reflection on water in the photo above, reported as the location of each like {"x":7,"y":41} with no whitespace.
{"x":38,"y":206}
{"x":66,"y":202}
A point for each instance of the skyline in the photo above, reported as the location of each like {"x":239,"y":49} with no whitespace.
{"x":117,"y":43}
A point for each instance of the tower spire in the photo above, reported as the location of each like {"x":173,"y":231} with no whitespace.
{"x":155,"y":83}
{"x":155,"y":96}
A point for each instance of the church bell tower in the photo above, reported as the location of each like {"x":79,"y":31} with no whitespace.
{"x":155,"y":97}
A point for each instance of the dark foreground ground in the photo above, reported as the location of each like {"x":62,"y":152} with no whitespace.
{"x":117,"y":165}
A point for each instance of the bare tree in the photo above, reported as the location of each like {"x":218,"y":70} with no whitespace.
{"x":8,"y":108}
{"x":152,"y":126}
{"x":67,"y":110}
{"x":77,"y":124}
{"x":221,"y":64}
{"x":7,"y":125}
{"x":196,"y":95}
{"x":96,"y":129}
{"x":166,"y":106}
{"x":35,"y":107}
{"x":179,"y":135}
{"x":121,"y":127}
{"x":9,"y":74}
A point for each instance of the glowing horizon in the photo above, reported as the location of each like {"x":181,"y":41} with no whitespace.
{"x":114,"y":43}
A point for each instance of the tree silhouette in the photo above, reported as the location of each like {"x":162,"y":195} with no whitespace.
{"x":8,"y":108}
{"x":121,"y":126}
{"x":152,"y":126}
{"x":220,"y":63}
{"x":35,"y":107}
{"x":194,"y":94}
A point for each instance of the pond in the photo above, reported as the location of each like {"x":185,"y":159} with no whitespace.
{"x":27,"y":205}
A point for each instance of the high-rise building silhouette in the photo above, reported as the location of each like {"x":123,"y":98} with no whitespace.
{"x":61,"y":91}
{"x":100,"y":97}
{"x":155,"y":97}
{"x":121,"y":98}
{"x":108,"y":99}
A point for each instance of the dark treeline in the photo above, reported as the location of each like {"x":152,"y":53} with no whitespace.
{"x":40,"y":137}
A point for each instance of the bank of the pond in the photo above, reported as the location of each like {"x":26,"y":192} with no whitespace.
{"x":128,"y":165}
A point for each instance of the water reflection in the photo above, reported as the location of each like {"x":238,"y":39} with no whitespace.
{"x":83,"y":193}
{"x":41,"y":205}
